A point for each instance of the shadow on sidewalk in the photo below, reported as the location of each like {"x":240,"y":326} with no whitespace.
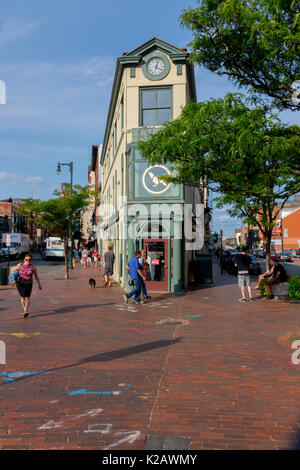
{"x":107,"y":356}
{"x":70,"y":309}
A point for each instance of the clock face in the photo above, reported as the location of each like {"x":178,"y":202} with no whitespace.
{"x":156,"y":66}
{"x":151,"y":181}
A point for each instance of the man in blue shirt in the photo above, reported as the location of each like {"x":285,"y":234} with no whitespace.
{"x":136,"y":275}
{"x":142,"y":263}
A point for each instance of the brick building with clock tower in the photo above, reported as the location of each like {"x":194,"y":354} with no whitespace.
{"x":138,"y":211}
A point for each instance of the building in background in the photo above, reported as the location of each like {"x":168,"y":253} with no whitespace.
{"x":12,"y":222}
{"x":152,"y":83}
{"x":89,"y":219}
{"x":286,"y":233}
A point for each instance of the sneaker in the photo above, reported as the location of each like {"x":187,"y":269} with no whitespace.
{"x":242,"y":300}
{"x":148,"y":297}
{"x":125,"y":299}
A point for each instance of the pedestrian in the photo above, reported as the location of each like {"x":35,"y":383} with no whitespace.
{"x":279,"y":275}
{"x":89,"y":258}
{"x":95,"y":255}
{"x":25,"y":280}
{"x":136,"y":275}
{"x":265,"y":275}
{"x":84,"y":256}
{"x":144,"y":266}
{"x":243,"y":262}
{"x":108,"y":264}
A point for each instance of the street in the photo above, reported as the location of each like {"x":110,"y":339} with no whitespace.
{"x":86,"y":371}
{"x":42,"y":265}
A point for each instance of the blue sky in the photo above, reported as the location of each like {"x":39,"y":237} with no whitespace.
{"x":57,"y":60}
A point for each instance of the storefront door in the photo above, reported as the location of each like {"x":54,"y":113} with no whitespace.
{"x":157,"y":260}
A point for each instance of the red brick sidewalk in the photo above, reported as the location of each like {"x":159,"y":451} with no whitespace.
{"x":111,"y":375}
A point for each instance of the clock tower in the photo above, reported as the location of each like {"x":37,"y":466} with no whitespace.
{"x":140,"y":210}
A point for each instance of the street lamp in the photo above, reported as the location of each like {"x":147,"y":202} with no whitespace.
{"x":58,"y":171}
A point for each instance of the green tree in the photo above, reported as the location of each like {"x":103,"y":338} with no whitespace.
{"x":244,"y":153}
{"x":59,"y":214}
{"x":256,"y":43}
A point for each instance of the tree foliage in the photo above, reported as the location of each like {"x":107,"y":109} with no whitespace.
{"x":256,"y":43}
{"x":58,"y":215}
{"x":243,"y":152}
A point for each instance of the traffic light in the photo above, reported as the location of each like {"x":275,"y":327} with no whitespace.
{"x":77,"y":230}
{"x":6,"y":224}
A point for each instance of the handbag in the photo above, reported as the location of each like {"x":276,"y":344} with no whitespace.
{"x":130,"y":282}
{"x":13,"y":276}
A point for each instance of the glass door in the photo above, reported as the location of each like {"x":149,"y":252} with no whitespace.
{"x":157,"y":264}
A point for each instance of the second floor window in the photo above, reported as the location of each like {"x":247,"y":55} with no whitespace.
{"x":156,"y":106}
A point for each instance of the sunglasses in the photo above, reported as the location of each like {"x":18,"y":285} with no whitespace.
{"x":27,"y":259}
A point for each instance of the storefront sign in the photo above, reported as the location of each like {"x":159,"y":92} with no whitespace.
{"x":155,"y":261}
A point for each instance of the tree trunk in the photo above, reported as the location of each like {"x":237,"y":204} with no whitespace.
{"x":66,"y":258}
{"x":268,"y":238}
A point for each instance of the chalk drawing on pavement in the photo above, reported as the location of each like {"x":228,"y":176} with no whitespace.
{"x":8,"y":377}
{"x":20,"y":335}
{"x":83,"y":391}
{"x":101,"y":428}
{"x":57,"y":424}
{"x":188,"y":317}
{"x":131,"y":437}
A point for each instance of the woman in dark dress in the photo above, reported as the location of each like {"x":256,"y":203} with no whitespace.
{"x":25,"y":281}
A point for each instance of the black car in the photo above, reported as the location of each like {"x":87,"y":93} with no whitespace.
{"x":255,"y":267}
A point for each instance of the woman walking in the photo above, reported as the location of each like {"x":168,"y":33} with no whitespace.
{"x":25,"y":280}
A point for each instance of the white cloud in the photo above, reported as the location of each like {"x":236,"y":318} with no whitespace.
{"x":13,"y":29}
{"x":18,"y":180}
{"x":53,"y":96}
{"x":11,"y":178}
{"x":224,"y":218}
{"x":34,"y":180}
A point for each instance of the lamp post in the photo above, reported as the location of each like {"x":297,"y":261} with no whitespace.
{"x":58,"y":171}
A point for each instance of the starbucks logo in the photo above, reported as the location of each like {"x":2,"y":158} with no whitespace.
{"x":151,"y":181}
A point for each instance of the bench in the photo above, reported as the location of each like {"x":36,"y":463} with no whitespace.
{"x":281,"y":291}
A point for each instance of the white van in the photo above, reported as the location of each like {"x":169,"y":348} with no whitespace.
{"x":19,"y":244}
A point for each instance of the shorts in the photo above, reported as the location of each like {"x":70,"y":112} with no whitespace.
{"x":244,"y":280}
{"x":108,"y":272}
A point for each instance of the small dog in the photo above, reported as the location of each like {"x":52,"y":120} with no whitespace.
{"x":92,"y":283}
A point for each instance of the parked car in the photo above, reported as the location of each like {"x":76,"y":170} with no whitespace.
{"x":255,"y":267}
{"x":261,"y":254}
{"x":297,"y":254}
{"x":285,"y":256}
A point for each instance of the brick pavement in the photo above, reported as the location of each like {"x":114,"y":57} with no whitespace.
{"x":109,"y":375}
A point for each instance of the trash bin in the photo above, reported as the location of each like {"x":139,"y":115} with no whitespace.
{"x":3,"y":276}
